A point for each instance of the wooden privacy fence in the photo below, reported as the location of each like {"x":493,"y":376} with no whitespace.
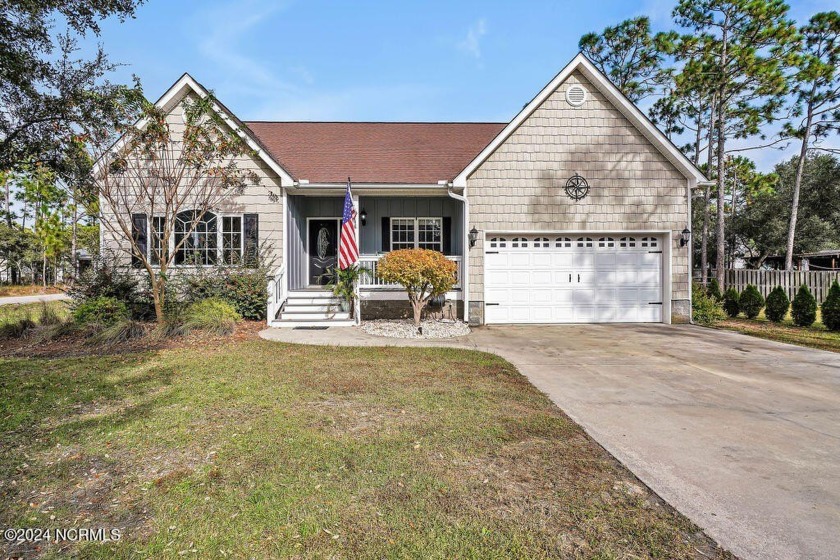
{"x":818,"y":281}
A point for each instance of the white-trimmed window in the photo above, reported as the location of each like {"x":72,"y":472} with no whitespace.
{"x":627,"y":242}
{"x":232,"y":239}
{"x":562,"y":242}
{"x":500,"y":242}
{"x":417,"y":233}
{"x":541,"y":242}
{"x":199,"y":247}
{"x":584,"y":242}
{"x":402,"y":233}
{"x":519,"y":242}
{"x":649,"y":242}
{"x":606,"y":242}
{"x":430,"y":234}
{"x":156,"y":235}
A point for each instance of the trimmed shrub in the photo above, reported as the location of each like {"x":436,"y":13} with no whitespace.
{"x":245,"y":289}
{"x":212,"y":315}
{"x":100,"y":311}
{"x":423,"y":273}
{"x":778,"y":305}
{"x":705,"y":309}
{"x":831,"y":308}
{"x":804,"y":307}
{"x":751,"y":301}
{"x":713,"y":289}
{"x":732,"y":302}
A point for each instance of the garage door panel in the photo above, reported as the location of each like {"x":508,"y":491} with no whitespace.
{"x":543,"y":283}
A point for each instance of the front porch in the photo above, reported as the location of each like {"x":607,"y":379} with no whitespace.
{"x":384,"y":223}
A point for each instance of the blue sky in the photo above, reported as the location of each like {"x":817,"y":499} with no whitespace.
{"x":365,"y":60}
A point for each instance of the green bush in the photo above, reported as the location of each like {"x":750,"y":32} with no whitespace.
{"x":713,"y":289}
{"x":100,"y":310}
{"x":111,"y":280}
{"x":804,"y":307}
{"x":705,"y":309}
{"x":213,"y":315}
{"x":831,"y":308}
{"x":778,"y":305}
{"x":245,"y":289}
{"x":732,"y":302}
{"x":751,"y":301}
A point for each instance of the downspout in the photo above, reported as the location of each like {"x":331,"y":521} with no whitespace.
{"x":465,"y":244}
{"x":689,"y":192}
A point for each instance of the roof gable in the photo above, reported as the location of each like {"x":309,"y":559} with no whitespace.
{"x":187,"y":84}
{"x":614,"y":96}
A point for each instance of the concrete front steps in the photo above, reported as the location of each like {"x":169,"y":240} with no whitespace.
{"x":312,"y":308}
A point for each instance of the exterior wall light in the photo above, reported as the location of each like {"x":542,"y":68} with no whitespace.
{"x":363,"y":216}
{"x":473,"y":237}
{"x":685,"y":237}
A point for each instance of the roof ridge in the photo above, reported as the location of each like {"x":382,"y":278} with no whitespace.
{"x":373,"y":122}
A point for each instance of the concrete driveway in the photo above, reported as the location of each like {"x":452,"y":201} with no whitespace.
{"x":18,"y":300}
{"x":740,"y":434}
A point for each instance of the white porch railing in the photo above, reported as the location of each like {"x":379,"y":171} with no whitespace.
{"x":276,"y":293}
{"x":369,"y":280}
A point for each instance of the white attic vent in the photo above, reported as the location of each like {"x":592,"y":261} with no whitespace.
{"x":575,"y":95}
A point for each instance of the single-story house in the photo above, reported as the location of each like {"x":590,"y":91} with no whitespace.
{"x":575,"y":211}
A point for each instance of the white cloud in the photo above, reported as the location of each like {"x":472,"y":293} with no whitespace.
{"x":471,"y":44}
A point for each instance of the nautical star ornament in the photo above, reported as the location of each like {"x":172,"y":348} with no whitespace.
{"x":577,"y":187}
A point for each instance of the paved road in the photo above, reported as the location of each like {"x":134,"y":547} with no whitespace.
{"x":740,"y":434}
{"x":9,"y":300}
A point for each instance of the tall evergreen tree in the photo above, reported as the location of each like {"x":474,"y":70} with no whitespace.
{"x":743,"y":47}
{"x":816,"y":88}
{"x":628,"y":55}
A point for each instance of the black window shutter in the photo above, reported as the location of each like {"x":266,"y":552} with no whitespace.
{"x":447,"y":235}
{"x":386,"y":234}
{"x":139,"y":232}
{"x":252,"y":240}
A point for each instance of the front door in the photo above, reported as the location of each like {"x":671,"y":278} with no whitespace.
{"x":323,"y":249}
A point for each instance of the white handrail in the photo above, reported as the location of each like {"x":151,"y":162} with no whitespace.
{"x":369,"y":279}
{"x":276,"y":293}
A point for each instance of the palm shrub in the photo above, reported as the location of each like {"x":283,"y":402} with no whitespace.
{"x":778,"y":305}
{"x":713,"y":290}
{"x":732,"y":302}
{"x":751,"y":302}
{"x":804,"y":307}
{"x":831,"y":308}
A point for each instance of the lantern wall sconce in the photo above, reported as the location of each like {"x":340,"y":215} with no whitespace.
{"x":363,"y":216}
{"x":473,"y":237}
{"x":685,"y":237}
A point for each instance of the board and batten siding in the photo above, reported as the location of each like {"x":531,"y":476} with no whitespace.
{"x":520,"y":186}
{"x":254,"y":200}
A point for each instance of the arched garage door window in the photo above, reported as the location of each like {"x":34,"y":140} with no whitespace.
{"x":199,"y":246}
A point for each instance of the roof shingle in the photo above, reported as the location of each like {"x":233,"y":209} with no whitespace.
{"x":374,"y":152}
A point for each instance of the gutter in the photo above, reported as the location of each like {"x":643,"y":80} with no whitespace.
{"x":465,"y":261}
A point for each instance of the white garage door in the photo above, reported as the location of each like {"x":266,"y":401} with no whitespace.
{"x":573,"y":279}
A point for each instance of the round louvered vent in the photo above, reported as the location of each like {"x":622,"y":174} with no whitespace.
{"x":575,"y":95}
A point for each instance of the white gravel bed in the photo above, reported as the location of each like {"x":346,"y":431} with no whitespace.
{"x":405,"y":328}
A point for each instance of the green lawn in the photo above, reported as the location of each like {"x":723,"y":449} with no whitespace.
{"x":253,"y":449}
{"x":815,"y":336}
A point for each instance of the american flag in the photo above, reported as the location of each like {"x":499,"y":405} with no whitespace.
{"x":348,"y":251}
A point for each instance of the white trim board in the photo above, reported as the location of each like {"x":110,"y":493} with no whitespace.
{"x":619,"y":101}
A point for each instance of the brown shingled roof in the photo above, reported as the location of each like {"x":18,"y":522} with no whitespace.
{"x":367,"y":152}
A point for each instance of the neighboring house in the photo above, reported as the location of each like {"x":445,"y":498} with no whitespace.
{"x":573,"y":212}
